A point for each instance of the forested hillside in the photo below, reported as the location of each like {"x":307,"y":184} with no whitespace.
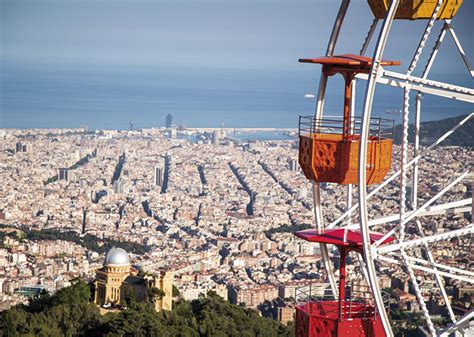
{"x":70,"y":313}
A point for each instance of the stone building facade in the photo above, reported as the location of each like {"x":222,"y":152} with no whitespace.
{"x":114,"y":281}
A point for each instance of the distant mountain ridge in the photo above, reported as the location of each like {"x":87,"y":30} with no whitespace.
{"x":432,"y":130}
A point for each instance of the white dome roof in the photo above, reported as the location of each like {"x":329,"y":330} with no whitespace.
{"x":117,"y":257}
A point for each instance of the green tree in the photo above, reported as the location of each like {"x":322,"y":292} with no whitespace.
{"x":66,"y":313}
{"x":176,"y":292}
{"x":154,"y":293}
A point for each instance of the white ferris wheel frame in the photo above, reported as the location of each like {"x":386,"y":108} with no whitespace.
{"x":395,"y":253}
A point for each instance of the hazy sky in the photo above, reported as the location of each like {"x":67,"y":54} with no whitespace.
{"x":200,"y":33}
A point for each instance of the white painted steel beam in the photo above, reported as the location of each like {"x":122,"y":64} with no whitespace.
{"x":401,"y":83}
{"x":447,"y":208}
{"x":419,"y":95}
{"x":428,"y":239}
{"x":429,"y":83}
{"x":416,"y":150}
{"x":370,"y":33}
{"x":435,"y":50}
{"x":438,"y":265}
{"x":362,"y":162}
{"x":318,"y":214}
{"x":460,"y":48}
{"x":404,"y":176}
{"x":438,"y":278}
{"x":427,"y":269}
{"x":452,"y":204}
{"x":396,"y":174}
{"x":446,"y":211}
{"x":462,"y":321}
{"x":413,"y":214}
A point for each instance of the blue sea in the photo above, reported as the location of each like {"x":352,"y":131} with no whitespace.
{"x":109,"y":97}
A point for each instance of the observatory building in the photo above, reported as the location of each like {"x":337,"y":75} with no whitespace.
{"x":115,"y":280}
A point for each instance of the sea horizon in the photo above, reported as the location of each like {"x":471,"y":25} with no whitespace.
{"x":55,"y":96}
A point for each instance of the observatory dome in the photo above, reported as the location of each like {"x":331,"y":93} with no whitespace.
{"x":117,"y":257}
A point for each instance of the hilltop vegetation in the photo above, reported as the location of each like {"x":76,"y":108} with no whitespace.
{"x":430,"y":131}
{"x":70,"y":313}
{"x":88,"y":241}
{"x":287,"y":229}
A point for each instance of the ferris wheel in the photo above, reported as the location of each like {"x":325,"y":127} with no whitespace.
{"x":351,"y":150}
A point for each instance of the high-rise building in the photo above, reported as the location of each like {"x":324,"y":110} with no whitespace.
{"x":118,"y":186}
{"x":303,"y":193}
{"x":158,"y":180}
{"x":63,"y":174}
{"x":20,"y":147}
{"x":293,"y":164}
{"x":84,"y":219}
{"x":409,"y":196}
{"x":223,"y":133}
{"x":216,"y":137}
{"x":173,"y":133}
{"x":169,"y":120}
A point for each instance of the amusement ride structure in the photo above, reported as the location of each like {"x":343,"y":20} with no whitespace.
{"x":352,"y":150}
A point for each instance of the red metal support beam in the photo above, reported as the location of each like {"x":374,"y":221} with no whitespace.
{"x":342,"y":282}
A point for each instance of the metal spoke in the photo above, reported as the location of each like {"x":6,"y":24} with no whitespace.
{"x":438,"y":278}
{"x":397,"y":253}
{"x":447,"y":208}
{"x":429,"y":270}
{"x":362,"y":190}
{"x":425,"y":86}
{"x":428,"y":239}
{"x":460,"y":48}
{"x":459,"y":324}
{"x":318,"y":214}
{"x":370,"y":33}
{"x":396,"y":174}
{"x":419,"y":210}
{"x":437,"y":265}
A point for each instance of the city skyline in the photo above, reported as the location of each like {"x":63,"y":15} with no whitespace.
{"x":222,"y":223}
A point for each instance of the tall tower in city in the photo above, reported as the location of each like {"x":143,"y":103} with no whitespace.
{"x":118,"y":186}
{"x":223,"y":134}
{"x":63,"y":174}
{"x":158,"y":180}
{"x":292,"y":164}
{"x":169,"y":120}
{"x":21,"y":147}
{"x":84,"y":219}
{"x":216,"y":137}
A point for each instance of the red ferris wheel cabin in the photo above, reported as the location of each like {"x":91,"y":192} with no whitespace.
{"x":329,"y":145}
{"x":351,"y":314}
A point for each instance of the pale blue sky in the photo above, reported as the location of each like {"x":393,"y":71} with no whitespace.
{"x":199,"y":33}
